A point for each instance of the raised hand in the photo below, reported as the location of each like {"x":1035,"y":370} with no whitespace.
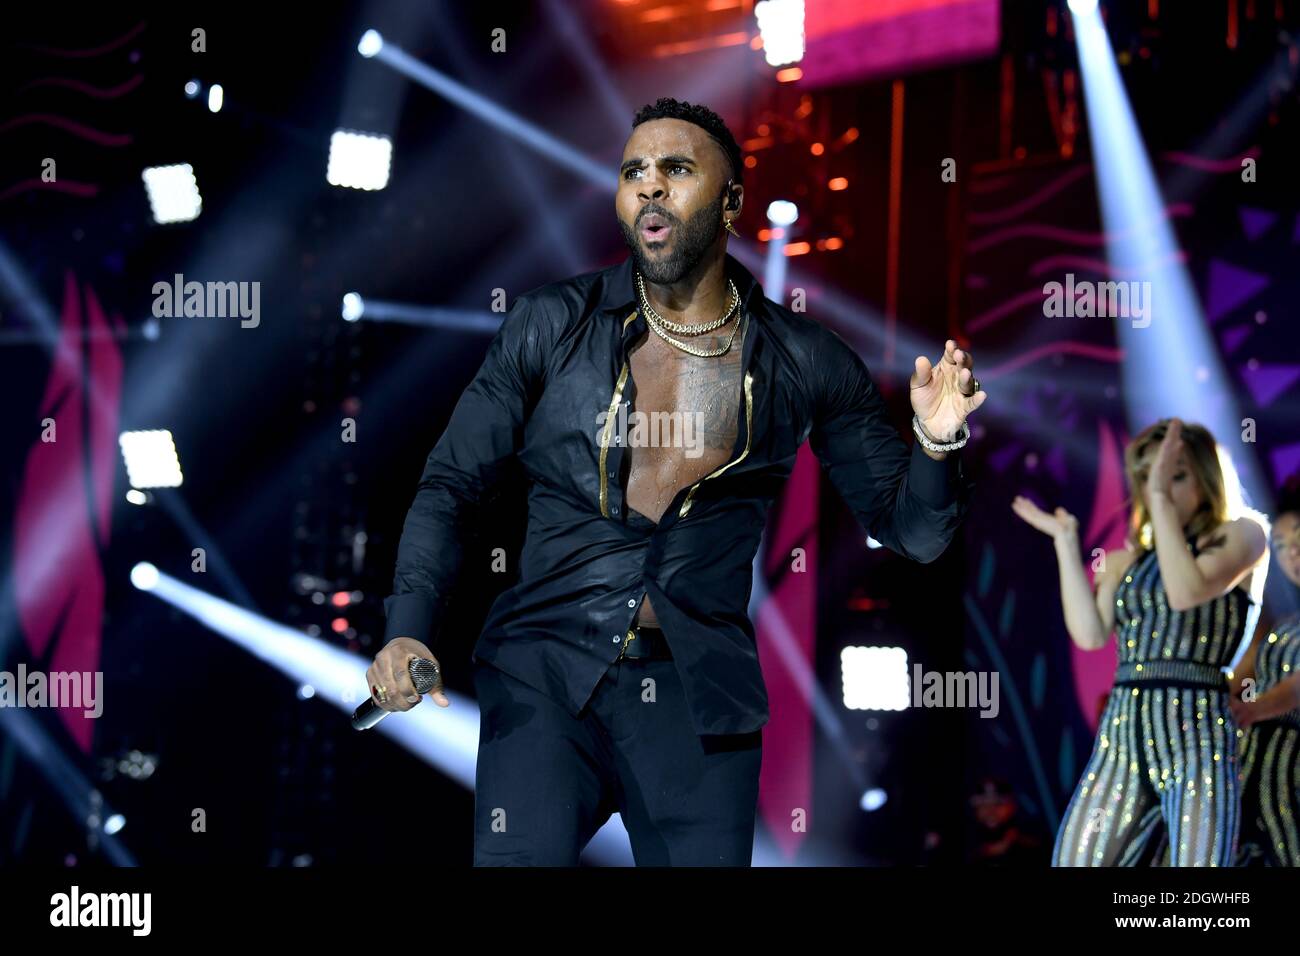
{"x":1165,"y":464}
{"x":944,"y":394}
{"x":1056,"y":524}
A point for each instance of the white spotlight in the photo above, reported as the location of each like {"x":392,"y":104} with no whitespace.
{"x":782,"y":212}
{"x":191,"y":89}
{"x":874,"y":678}
{"x":780,"y":23}
{"x":114,"y":823}
{"x":873,"y":799}
{"x":354,"y":307}
{"x":371,"y":43}
{"x":359,"y":160}
{"x":1082,"y":7}
{"x":150,"y":458}
{"x":137,"y":497}
{"x":144,"y":576}
{"x":173,"y":193}
{"x":216,"y":96}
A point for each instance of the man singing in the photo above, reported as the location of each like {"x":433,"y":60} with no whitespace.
{"x":621,"y":672}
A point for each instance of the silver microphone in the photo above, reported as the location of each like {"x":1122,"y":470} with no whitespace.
{"x":424,"y":675}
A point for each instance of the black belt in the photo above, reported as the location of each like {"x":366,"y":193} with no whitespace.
{"x":1170,"y":673}
{"x":646,"y":643}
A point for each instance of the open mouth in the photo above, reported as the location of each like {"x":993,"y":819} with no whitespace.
{"x":654,"y":228}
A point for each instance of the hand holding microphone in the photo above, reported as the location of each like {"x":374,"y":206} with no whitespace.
{"x":402,"y":672}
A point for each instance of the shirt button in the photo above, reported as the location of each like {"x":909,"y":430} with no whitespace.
{"x":631,"y":602}
{"x":614,"y":510}
{"x":615,"y":639}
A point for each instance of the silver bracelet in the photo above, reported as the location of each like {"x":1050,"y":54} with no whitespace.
{"x":933,"y":445}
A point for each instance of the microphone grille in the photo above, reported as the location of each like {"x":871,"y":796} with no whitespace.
{"x":424,"y":675}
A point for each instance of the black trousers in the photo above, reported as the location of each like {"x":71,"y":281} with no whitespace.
{"x":547,"y":781}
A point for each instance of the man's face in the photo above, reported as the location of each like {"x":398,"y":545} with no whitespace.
{"x":670,"y":193}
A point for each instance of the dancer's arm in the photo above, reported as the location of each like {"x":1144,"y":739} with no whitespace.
{"x":1089,"y":613}
{"x":1282,"y":697}
{"x":1237,"y":548}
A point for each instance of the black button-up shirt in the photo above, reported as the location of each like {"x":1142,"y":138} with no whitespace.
{"x":555,"y":370}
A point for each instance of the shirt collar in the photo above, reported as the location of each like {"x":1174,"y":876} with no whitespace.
{"x":619,"y":294}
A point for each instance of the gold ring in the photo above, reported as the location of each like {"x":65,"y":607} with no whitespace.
{"x":382,"y":693}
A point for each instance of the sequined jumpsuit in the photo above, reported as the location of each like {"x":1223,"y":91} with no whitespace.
{"x":1270,"y":761}
{"x":1165,"y":761}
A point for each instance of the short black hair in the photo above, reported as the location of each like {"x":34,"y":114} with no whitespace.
{"x":668,"y":108}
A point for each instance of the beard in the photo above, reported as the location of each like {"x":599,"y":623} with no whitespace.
{"x":691,"y":239}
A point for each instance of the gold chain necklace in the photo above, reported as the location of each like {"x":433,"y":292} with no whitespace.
{"x":682,"y":328}
{"x":702,"y":353}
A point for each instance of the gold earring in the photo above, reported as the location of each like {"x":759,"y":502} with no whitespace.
{"x":729,"y":227}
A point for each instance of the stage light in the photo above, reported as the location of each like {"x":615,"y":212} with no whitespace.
{"x":466,"y":320}
{"x":114,"y":824}
{"x":873,"y":799}
{"x":44,"y":754}
{"x":370,"y":44}
{"x":137,"y":497}
{"x":192,"y":89}
{"x":598,"y":174}
{"x":359,"y":160}
{"x":144,"y":576}
{"x":1082,"y":7}
{"x":780,"y":24}
{"x":354,"y":307}
{"x":173,"y":193}
{"x":782,"y":212}
{"x":1171,"y":362}
{"x":306,"y":692}
{"x":838,"y":183}
{"x":216,"y":96}
{"x":874,"y":678}
{"x":150,"y":458}
{"x":445,"y":738}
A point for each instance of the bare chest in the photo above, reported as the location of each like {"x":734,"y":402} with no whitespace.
{"x":687,"y":410}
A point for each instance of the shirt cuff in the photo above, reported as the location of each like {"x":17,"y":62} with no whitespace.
{"x":409,"y":615}
{"x":934,"y":482}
